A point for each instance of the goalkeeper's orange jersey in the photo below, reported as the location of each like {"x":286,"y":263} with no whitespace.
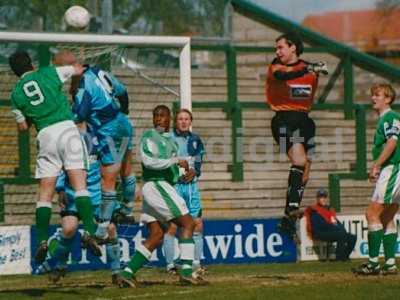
{"x":290,"y":87}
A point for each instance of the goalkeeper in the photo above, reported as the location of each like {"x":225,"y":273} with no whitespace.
{"x":290,"y":89}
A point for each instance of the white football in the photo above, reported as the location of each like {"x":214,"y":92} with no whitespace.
{"x":77,"y":16}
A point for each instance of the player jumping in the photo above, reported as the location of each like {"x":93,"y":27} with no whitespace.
{"x":38,"y":98}
{"x":290,"y":89}
{"x":98,"y":100}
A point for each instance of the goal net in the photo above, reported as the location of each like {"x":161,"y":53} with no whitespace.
{"x":155,"y":70}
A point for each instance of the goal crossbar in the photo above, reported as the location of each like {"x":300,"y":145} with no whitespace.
{"x":181,"y":43}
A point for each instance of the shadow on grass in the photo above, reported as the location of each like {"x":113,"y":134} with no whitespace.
{"x":150,"y":283}
{"x":70,"y":289}
{"x":32,"y":292}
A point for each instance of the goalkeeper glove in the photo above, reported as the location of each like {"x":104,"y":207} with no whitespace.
{"x":318,"y":67}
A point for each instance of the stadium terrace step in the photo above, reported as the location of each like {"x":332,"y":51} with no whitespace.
{"x":283,"y":166}
{"x":216,"y":176}
{"x":249,"y":203}
{"x":261,"y":185}
{"x":250,"y":114}
{"x":321,"y":123}
{"x":243,"y":213}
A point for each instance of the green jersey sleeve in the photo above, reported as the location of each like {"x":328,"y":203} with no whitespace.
{"x":391,"y":126}
{"x":388,"y":128}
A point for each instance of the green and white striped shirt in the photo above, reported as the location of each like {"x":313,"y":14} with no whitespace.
{"x":388,"y":127}
{"x":158,"y":153}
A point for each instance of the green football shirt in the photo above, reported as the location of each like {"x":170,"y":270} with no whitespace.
{"x":39,"y":96}
{"x":388,"y":127}
{"x":159,"y":157}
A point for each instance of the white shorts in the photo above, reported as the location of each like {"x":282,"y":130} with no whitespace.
{"x":161,"y":202}
{"x":60,"y":146}
{"x":387,"y":188}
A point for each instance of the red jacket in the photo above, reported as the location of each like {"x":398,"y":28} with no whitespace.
{"x":327,"y":213}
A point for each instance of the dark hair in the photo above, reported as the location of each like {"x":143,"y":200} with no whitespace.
{"x":20,"y":63}
{"x":292,"y":38}
{"x":161,"y":107}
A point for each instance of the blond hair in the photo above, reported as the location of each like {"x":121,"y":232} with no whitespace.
{"x":183,"y":110}
{"x":387,"y":89}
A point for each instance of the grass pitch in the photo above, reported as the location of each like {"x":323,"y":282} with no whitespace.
{"x":311,"y":280}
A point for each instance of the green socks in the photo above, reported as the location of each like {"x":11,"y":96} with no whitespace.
{"x":85,"y":211}
{"x":43,"y":215}
{"x":141,"y":257}
{"x":375,"y":235}
{"x":389,"y":246}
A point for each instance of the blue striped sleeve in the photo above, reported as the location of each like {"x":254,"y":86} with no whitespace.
{"x":120,"y":93}
{"x":118,"y":87}
{"x":82,"y":107}
{"x":196,"y":149}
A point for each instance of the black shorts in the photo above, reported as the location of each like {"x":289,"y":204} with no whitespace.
{"x":291,"y":127}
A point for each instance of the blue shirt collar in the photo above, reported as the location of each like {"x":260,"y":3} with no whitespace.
{"x":183,"y":134}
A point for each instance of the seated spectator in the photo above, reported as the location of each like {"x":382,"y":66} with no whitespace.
{"x":323,"y":225}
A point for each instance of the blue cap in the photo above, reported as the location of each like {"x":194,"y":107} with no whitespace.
{"x":321,"y":192}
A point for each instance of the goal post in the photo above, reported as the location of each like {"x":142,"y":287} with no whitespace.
{"x":154,"y":69}
{"x":177,"y":42}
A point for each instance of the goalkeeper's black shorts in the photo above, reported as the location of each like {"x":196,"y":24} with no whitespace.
{"x":290,"y":127}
